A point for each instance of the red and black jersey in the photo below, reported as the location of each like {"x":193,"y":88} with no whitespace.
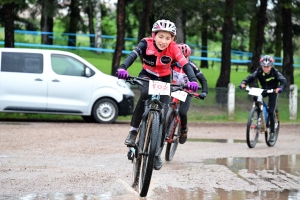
{"x":155,"y":61}
{"x":159,"y":62}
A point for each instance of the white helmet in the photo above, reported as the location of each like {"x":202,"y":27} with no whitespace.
{"x":164,"y":25}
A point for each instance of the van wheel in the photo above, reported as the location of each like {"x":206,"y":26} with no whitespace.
{"x":105,"y":111}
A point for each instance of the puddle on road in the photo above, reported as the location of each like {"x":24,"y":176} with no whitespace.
{"x":217,"y":140}
{"x":284,"y":170}
{"x":277,"y":164}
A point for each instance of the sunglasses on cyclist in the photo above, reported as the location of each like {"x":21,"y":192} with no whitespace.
{"x":266,"y":66}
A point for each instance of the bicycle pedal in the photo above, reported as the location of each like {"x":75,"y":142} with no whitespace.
{"x":130,"y":154}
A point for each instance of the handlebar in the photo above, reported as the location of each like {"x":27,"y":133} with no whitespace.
{"x":263,"y":90}
{"x":134,"y":80}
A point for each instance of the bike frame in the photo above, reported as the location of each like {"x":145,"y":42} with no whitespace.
{"x":175,"y":105}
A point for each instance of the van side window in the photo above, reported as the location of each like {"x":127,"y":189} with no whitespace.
{"x":66,"y":65}
{"x":22,"y":62}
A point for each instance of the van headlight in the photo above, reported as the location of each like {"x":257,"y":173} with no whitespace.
{"x":122,"y":83}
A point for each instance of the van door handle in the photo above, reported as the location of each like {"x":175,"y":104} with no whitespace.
{"x":55,"y":80}
{"x":38,"y":79}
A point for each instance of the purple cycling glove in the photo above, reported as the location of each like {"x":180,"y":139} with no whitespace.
{"x":122,"y":74}
{"x":193,"y":86}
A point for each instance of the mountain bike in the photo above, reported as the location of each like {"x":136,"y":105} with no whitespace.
{"x":258,"y":120}
{"x":149,"y":142}
{"x":173,"y":120}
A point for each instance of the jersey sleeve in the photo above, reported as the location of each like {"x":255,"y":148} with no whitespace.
{"x":250,"y":78}
{"x":142,"y":46}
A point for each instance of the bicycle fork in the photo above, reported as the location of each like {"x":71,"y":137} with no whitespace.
{"x":262,"y":118}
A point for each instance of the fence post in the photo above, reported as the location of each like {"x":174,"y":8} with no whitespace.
{"x":293,"y":102}
{"x":230,"y":103}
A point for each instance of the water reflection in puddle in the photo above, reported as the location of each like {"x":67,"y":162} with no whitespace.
{"x":216,"y":140}
{"x":282,"y":173}
{"x":240,"y":195}
{"x":276,"y":164}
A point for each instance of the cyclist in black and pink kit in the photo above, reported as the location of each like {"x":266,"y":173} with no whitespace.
{"x":157,"y":52}
{"x":179,"y":76}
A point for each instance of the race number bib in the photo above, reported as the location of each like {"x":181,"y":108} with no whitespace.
{"x":181,"y":95}
{"x":255,"y":91}
{"x":158,"y":87}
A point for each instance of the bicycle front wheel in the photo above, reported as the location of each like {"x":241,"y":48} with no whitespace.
{"x":148,"y":154}
{"x":172,"y":128}
{"x":269,"y":142}
{"x":137,"y":157}
{"x":253,"y":127}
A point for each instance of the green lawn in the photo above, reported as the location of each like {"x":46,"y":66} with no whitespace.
{"x":207,"y":110}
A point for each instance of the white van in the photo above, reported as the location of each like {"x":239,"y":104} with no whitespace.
{"x":59,"y":82}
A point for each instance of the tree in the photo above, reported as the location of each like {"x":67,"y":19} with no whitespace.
{"x":90,"y":12}
{"x":48,"y":9}
{"x":144,"y":19}
{"x":74,"y":20}
{"x":288,"y":61}
{"x":9,"y":34}
{"x":98,"y":39}
{"x":261,"y":22}
{"x":120,"y":36}
{"x":224,"y":77}
{"x":204,"y":38}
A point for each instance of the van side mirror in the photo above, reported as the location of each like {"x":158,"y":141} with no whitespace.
{"x":87,"y":72}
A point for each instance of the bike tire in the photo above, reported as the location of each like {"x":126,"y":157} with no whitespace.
{"x":276,"y":131}
{"x":253,"y":127}
{"x":149,"y":150}
{"x":137,"y":158}
{"x":172,"y":128}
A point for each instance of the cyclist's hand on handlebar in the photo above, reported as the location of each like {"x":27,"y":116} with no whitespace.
{"x":202,"y":95}
{"x":122,"y":74}
{"x":242,"y":86}
{"x":279,"y":90}
{"x":193,"y":86}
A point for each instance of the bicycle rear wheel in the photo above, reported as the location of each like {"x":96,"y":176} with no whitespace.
{"x":172,"y":128}
{"x":149,"y":149}
{"x":269,"y":142}
{"x":253,"y":127}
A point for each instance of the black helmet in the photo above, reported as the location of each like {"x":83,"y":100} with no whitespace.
{"x":266,"y":61}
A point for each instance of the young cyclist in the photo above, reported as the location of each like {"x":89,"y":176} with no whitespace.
{"x":269,"y":78}
{"x":179,"y":76}
{"x":157,"y":52}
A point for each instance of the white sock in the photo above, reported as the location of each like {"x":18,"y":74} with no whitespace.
{"x":133,"y":129}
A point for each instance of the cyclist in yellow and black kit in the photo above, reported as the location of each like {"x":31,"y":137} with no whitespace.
{"x":269,"y":78}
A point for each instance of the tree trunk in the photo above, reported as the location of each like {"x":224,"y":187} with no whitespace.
{"x":47,"y":21}
{"x":288,"y":61}
{"x":224,"y":78}
{"x":252,"y":37}
{"x":90,"y":13}
{"x":179,"y":33}
{"x":98,"y":39}
{"x":204,"y":39}
{"x":9,"y":33}
{"x":261,"y":22}
{"x":120,"y":36}
{"x":74,"y":19}
{"x":278,"y":38}
{"x":144,"y":19}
